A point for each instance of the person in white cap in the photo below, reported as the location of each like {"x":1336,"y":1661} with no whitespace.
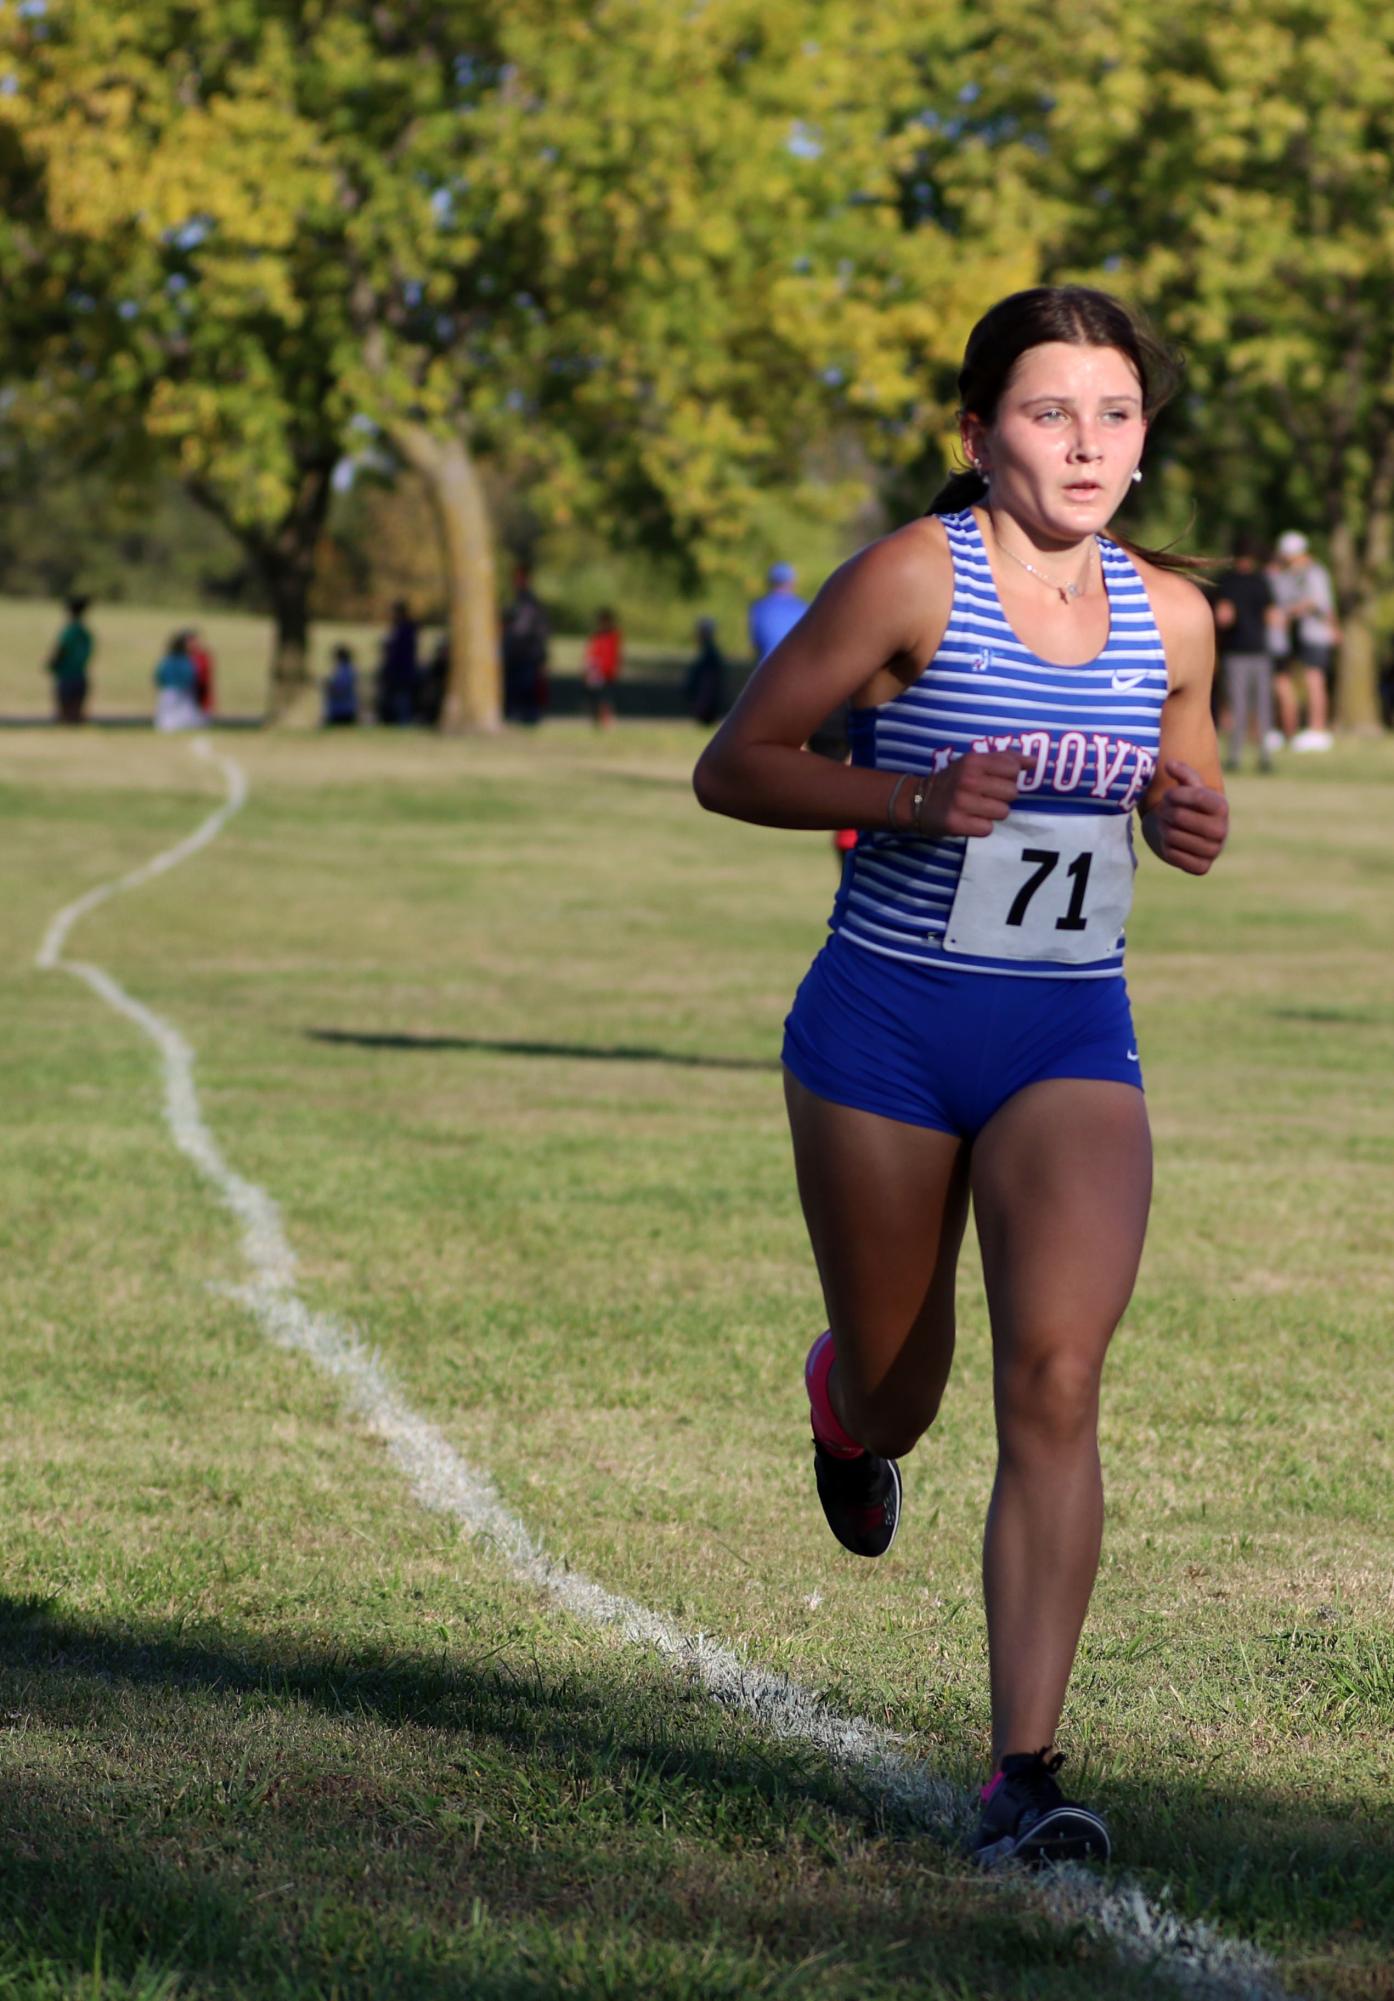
{"x":1302,"y":587}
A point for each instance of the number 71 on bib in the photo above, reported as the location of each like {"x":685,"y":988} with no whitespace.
{"x":1049,"y":886}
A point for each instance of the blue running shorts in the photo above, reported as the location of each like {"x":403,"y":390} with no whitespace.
{"x":947,"y":1049}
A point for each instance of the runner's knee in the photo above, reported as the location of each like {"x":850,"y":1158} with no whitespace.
{"x":1047,"y":1401}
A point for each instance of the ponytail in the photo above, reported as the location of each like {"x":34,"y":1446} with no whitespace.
{"x":962,"y":489}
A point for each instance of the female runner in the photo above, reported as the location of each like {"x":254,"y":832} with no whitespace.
{"x":1020,"y":684}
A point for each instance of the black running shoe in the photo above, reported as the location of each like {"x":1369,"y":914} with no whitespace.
{"x":1026,"y":1817}
{"x":861,"y":1499}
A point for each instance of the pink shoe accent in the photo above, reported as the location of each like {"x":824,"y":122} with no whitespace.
{"x":826,"y":1429}
{"x":985,"y":1793}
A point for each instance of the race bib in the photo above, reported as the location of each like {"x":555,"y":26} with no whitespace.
{"x":1055,"y":886}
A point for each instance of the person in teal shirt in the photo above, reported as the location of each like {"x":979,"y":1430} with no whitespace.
{"x":176,"y":688}
{"x":68,"y":663}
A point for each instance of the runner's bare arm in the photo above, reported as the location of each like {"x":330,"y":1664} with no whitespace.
{"x":1185,"y":815}
{"x":868,"y":633}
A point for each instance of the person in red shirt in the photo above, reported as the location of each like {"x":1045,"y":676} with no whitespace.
{"x":203,"y":670}
{"x":604,"y":652}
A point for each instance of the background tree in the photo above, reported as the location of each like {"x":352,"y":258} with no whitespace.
{"x":227,"y":194}
{"x":642,"y":252}
{"x":379,"y":545}
{"x":1230,"y":168}
{"x":71,"y":521}
{"x":635,"y":257}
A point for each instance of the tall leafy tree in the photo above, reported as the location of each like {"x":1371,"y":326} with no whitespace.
{"x":227,"y":202}
{"x":1232,"y":168}
{"x":645,"y":251}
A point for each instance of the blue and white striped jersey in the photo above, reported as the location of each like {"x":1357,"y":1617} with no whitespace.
{"x":1093,"y":732}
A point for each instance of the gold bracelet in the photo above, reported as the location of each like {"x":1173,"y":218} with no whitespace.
{"x":921,"y":788}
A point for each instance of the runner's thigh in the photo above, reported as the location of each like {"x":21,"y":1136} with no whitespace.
{"x":1062,"y":1178}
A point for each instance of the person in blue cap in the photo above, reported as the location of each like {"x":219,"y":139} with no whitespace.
{"x":777,"y":612}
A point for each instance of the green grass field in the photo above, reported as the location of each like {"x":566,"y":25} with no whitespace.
{"x":496,"y":1023}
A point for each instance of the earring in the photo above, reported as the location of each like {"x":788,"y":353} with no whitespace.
{"x":1137,"y":474}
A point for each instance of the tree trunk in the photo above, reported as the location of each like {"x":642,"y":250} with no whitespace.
{"x":285,"y":562}
{"x":1357,"y":672}
{"x":474,"y":689}
{"x":1357,"y":677}
{"x":290,"y":647}
{"x":1361,"y":572}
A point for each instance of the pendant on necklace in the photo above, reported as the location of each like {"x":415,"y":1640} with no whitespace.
{"x":1067,"y":591}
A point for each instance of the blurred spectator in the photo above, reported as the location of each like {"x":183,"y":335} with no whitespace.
{"x":69,"y":661}
{"x":1302,"y":588}
{"x":603,"y":658}
{"x":1279,"y":650}
{"x":396,"y":691}
{"x":777,"y":612}
{"x":176,"y":688}
{"x":525,"y":639}
{"x":705,"y":682}
{"x":1244,"y":613}
{"x":432,"y":682}
{"x":341,"y":689}
{"x":203,"y":671}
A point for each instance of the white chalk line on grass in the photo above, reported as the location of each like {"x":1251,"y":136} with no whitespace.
{"x":1141,"y":1931}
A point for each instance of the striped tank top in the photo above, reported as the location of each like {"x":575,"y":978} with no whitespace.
{"x":1022,"y":904}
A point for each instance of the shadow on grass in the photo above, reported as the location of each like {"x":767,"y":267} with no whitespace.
{"x":268,"y":1819}
{"x":620,"y":1053}
{"x":1343,"y":1017}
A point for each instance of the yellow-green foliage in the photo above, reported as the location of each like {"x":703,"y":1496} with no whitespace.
{"x":645,"y":252}
{"x":1231,"y":168}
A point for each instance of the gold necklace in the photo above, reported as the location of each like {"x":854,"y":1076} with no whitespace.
{"x":1067,"y":591}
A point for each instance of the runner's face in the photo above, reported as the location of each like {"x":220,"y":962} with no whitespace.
{"x":1066,"y":438}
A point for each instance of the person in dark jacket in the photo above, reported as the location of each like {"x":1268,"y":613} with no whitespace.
{"x":525,"y":643}
{"x":397,"y":674}
{"x":1244,"y":619}
{"x":705,"y":683}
